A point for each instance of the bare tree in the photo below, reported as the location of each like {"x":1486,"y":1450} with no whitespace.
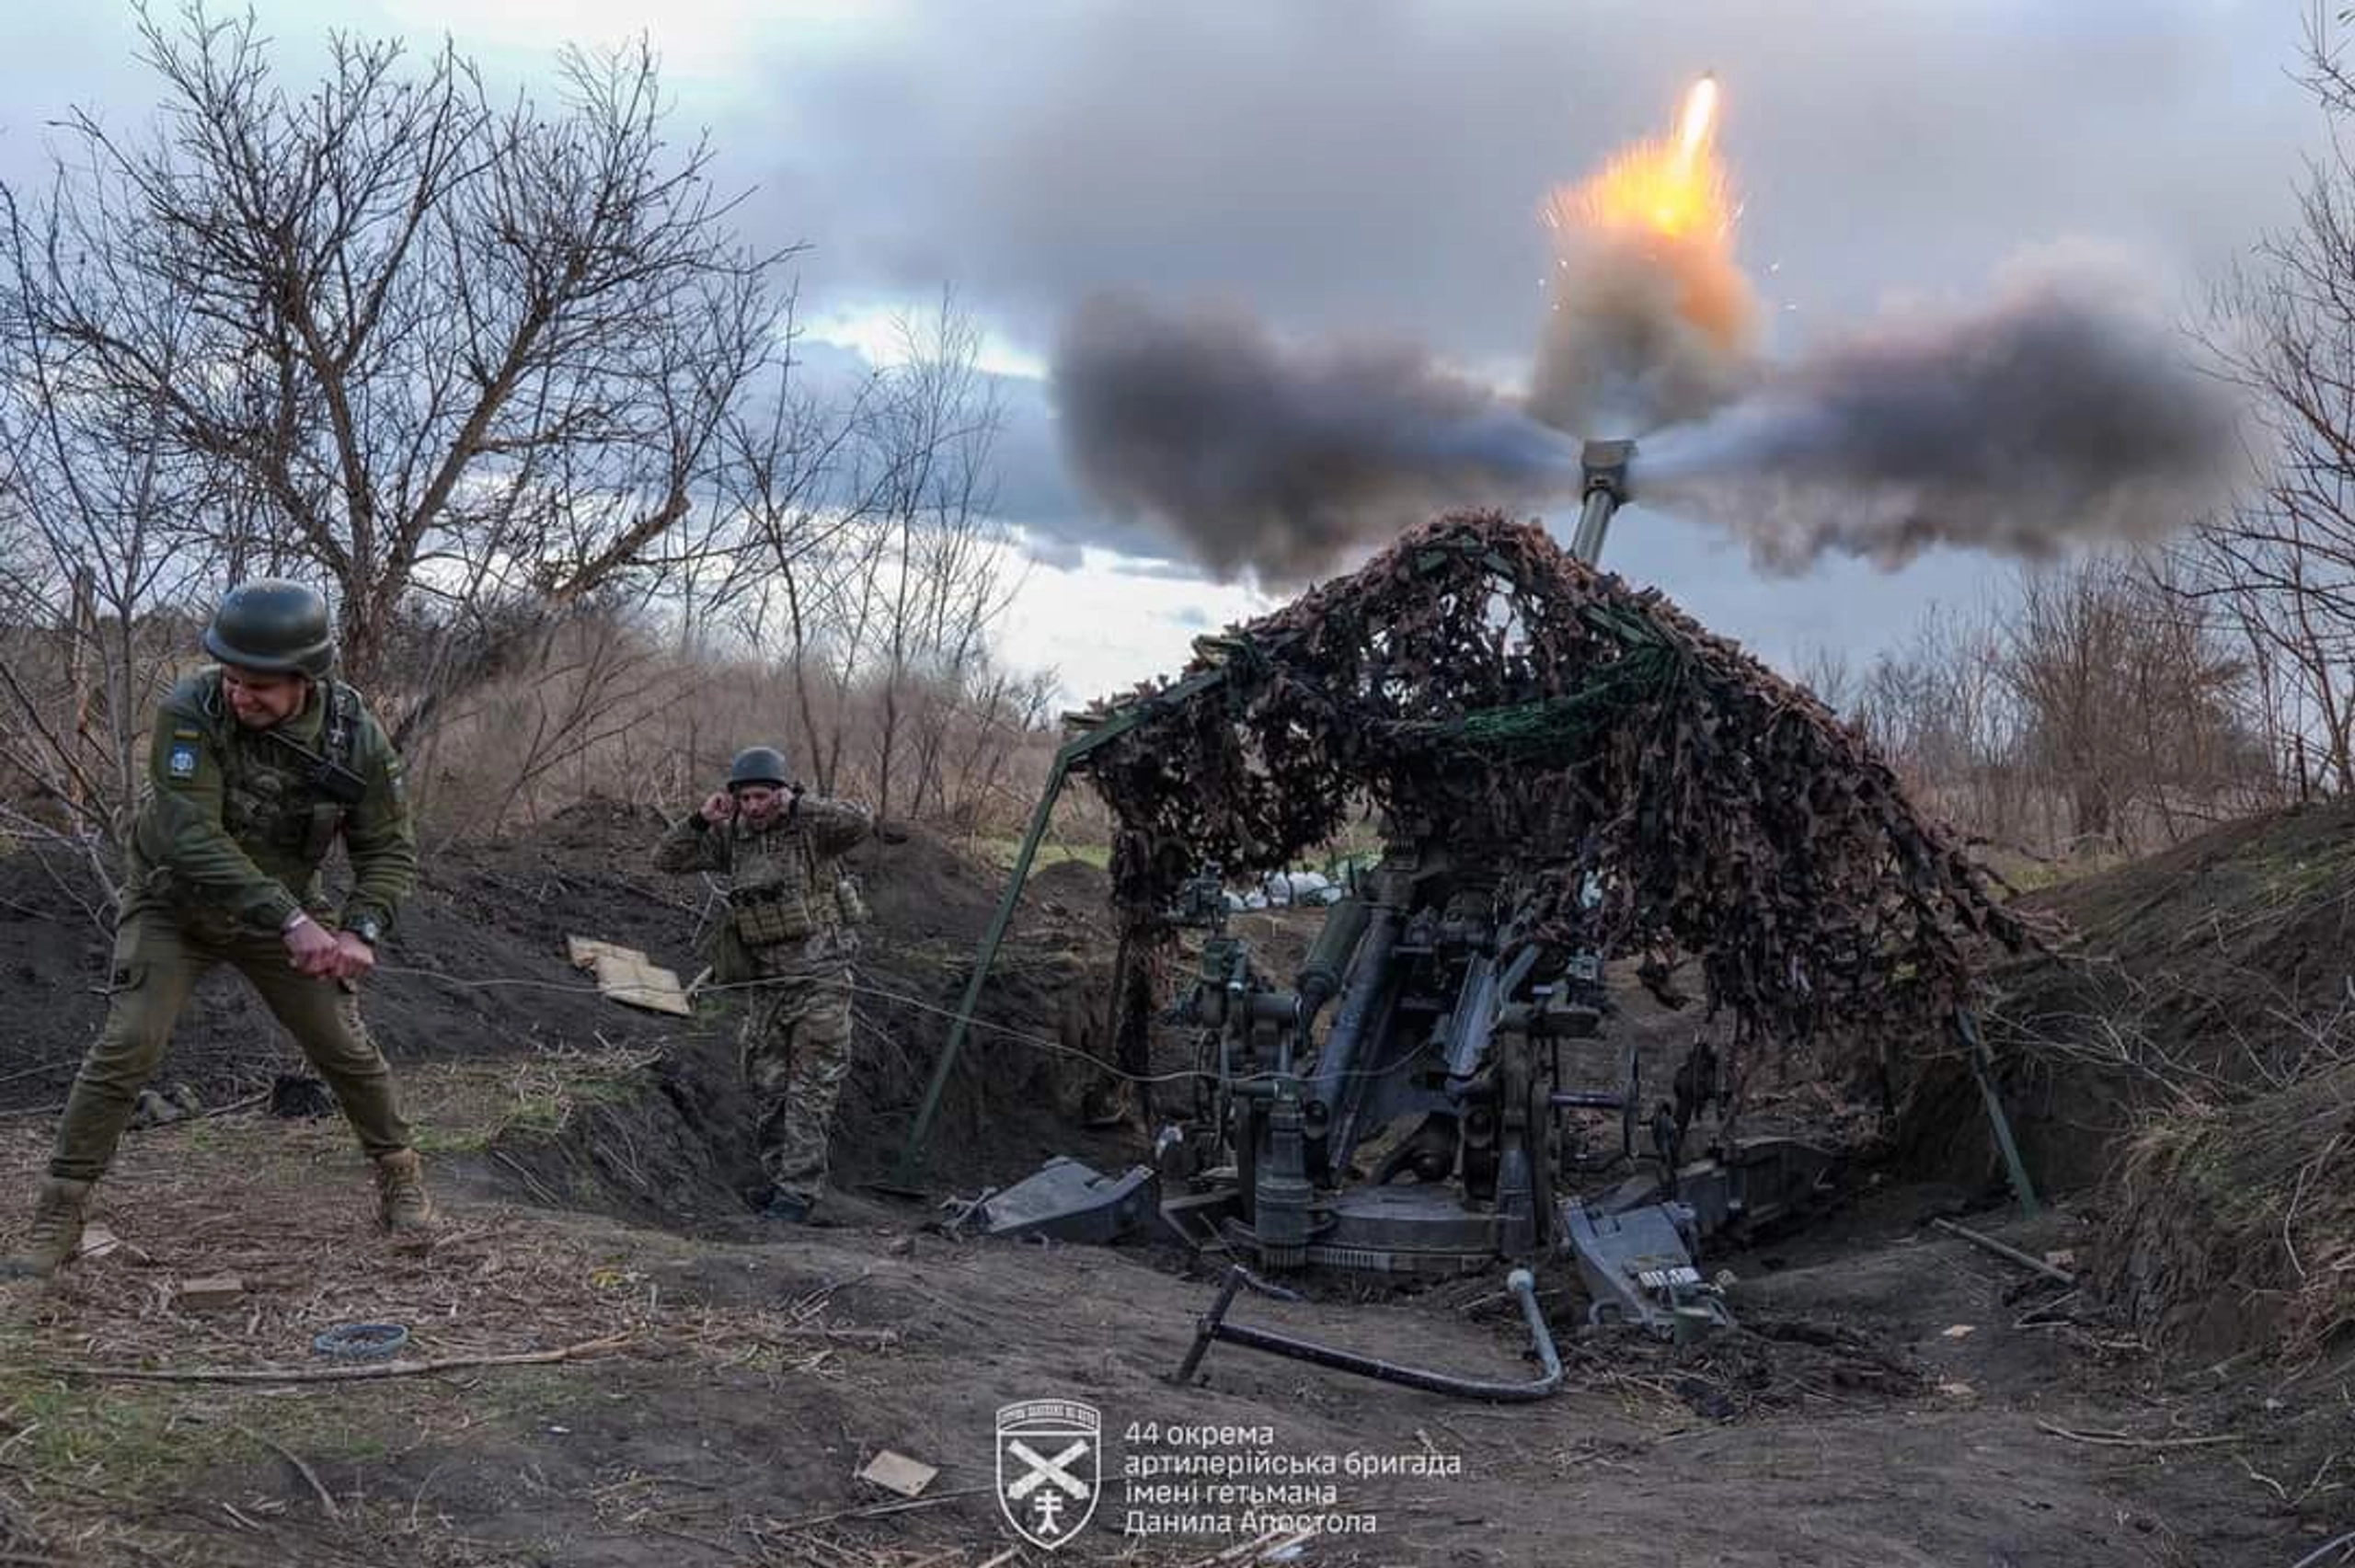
{"x":460,"y":348}
{"x":798,"y":489}
{"x":102,"y":537}
{"x":2279,"y":567}
{"x":947,"y":580}
{"x":1829,"y":673}
{"x":2086,"y":708}
{"x":1937,"y":707}
{"x":870,"y":566}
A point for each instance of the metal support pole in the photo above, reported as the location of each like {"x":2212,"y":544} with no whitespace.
{"x":1212,"y":1325}
{"x":1068,"y":757}
{"x":912,"y":1151}
{"x":1982,"y":1068}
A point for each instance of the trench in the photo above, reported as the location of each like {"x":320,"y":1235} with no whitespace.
{"x":674,"y":1145}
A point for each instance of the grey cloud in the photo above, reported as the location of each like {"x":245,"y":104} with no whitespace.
{"x":1383,"y":171}
{"x":1158,"y":569}
{"x":1047,"y":550}
{"x":1033,"y":487}
{"x":1382,"y":175}
{"x":1378,"y":166}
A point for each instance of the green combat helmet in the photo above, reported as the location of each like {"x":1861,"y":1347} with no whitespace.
{"x":758,"y":765}
{"x":275,"y":625}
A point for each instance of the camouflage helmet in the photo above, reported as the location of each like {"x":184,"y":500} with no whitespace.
{"x":275,"y":625}
{"x":758,"y":765}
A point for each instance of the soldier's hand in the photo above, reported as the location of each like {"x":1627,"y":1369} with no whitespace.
{"x":718,"y":807}
{"x":312,"y":949}
{"x":355,"y":960}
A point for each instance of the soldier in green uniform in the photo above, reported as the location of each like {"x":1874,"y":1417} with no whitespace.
{"x":259,"y":764}
{"x":789,"y":934}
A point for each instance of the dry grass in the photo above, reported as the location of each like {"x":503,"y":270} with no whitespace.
{"x":94,"y":1470}
{"x":2236,"y":1227}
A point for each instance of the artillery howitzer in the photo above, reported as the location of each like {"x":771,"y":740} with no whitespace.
{"x":1438,"y":1122}
{"x":1564,"y":765}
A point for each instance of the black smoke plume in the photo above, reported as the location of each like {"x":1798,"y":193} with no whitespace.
{"x":1279,"y":461}
{"x":2055,"y":414}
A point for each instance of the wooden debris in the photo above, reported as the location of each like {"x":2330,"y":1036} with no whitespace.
{"x":872,"y":1511}
{"x":628,"y":976}
{"x":581,"y":1352}
{"x":2005,"y":1249}
{"x":212,"y":1292}
{"x":897,"y":1473}
{"x":586,"y":950}
{"x":2127,"y":1440}
{"x":310,"y":1476}
{"x":97,"y":1241}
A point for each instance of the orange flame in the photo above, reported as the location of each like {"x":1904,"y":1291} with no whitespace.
{"x":1671,"y":186}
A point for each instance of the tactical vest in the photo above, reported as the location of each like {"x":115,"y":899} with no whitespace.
{"x":280,"y":797}
{"x":775,"y":894}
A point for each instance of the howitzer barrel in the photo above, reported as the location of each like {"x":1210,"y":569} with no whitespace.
{"x":1328,"y":957}
{"x":1332,"y":1074}
{"x":1605,"y":463}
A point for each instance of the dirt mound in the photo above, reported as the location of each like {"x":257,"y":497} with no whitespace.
{"x":667,"y":1142}
{"x":922,"y":890}
{"x":1075,"y":885}
{"x":479,"y":967}
{"x":2189,"y":1065}
{"x":2236,"y":1229}
{"x":2224,"y":959}
{"x":477,"y":964}
{"x":2204,"y":977}
{"x":56,"y":934}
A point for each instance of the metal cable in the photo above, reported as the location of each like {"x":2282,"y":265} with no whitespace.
{"x":1040,"y":1042}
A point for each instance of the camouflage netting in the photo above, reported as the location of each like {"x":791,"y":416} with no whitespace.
{"x":1476,"y":681}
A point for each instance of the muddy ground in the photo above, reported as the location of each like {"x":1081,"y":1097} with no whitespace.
{"x":1895,"y":1397}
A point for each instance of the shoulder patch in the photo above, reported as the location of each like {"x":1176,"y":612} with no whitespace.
{"x":180,"y":761}
{"x":187,"y":733}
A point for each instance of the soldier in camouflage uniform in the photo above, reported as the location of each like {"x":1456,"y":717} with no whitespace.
{"x":259,"y":764}
{"x":789,"y":935}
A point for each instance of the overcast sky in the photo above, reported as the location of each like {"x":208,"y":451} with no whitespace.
{"x":1373,"y":168}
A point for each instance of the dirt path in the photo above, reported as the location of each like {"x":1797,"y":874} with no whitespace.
{"x":760,"y":1375}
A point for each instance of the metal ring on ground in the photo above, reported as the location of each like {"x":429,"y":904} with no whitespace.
{"x":362,"y":1341}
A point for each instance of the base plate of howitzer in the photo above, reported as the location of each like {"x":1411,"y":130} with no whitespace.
{"x":1432,"y":1093}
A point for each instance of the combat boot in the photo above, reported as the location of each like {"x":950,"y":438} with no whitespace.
{"x":56,"y":1232}
{"x":402,"y":1206}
